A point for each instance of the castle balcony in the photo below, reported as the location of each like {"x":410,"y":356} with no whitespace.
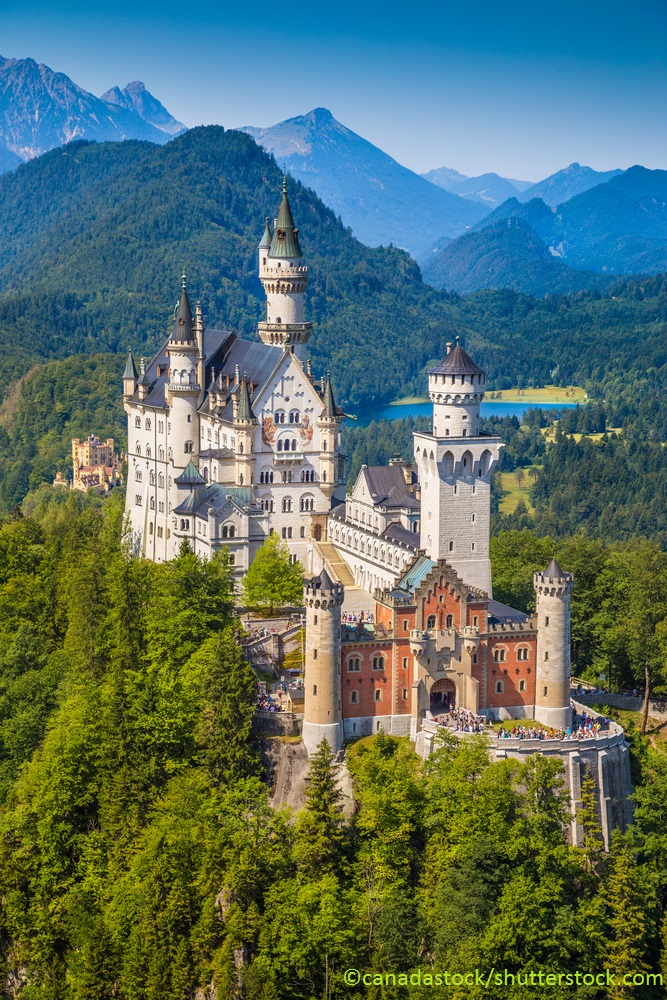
{"x":186,"y":387}
{"x":285,"y":272}
{"x":289,"y":456}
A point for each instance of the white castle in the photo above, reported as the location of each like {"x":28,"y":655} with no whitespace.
{"x":228,"y":439}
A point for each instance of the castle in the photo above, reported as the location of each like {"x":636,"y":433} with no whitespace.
{"x":231,"y":440}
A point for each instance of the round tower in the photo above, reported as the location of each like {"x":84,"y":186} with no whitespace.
{"x":245,"y":423}
{"x":284,"y":278}
{"x":456,"y":388}
{"x":323,"y":716}
{"x":183,"y":388}
{"x":553,"y":589}
{"x":329,"y":424}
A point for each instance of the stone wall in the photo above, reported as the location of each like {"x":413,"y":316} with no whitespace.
{"x":277,"y":724}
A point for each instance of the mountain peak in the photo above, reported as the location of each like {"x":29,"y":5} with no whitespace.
{"x":136,"y":98}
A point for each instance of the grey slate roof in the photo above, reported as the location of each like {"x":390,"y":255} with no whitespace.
{"x":267,"y":237}
{"x":457,"y":362}
{"x":414,"y":575}
{"x":130,"y":367}
{"x":183,"y":329}
{"x":388,"y":488}
{"x":502,"y":614}
{"x":554,"y":571}
{"x":244,"y":411}
{"x":216,"y":495}
{"x":190,"y":477}
{"x":399,"y":533}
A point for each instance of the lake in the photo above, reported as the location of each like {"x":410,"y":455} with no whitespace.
{"x":492,"y":408}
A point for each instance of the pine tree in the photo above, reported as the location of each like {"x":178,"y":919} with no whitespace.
{"x":587,"y":817}
{"x":320,"y":831}
{"x":627,"y":920}
{"x":273,"y":580}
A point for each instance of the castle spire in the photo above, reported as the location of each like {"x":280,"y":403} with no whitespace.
{"x":245,"y":406}
{"x":285,"y":241}
{"x":265,"y":242}
{"x":183,"y":327}
{"x":329,"y":402}
{"x":130,"y":367}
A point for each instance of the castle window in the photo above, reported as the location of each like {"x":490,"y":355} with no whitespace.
{"x":546,"y":620}
{"x":241,"y":479}
{"x":189,"y":418}
{"x":151,"y":503}
{"x":280,"y":446}
{"x":314,"y":654}
{"x":405,"y":694}
{"x":522,"y":685}
{"x":185,"y":524}
{"x":472,"y":516}
{"x":138,"y":449}
{"x":405,"y":663}
{"x":499,"y":655}
{"x":138,"y":475}
{"x":378,"y":694}
{"x":472,"y":546}
{"x":405,"y":625}
{"x":289,"y":535}
{"x":137,"y":500}
{"x":546,"y":655}
{"x":160,"y":426}
{"x":545,"y":690}
{"x":137,"y":421}
{"x":148,"y":423}
{"x":378,"y":663}
{"x":279,"y":418}
{"x":302,"y":532}
{"x":475,"y":620}
{"x":500,"y":687}
{"x":160,"y":506}
{"x":148,"y":451}
{"x":450,"y":621}
{"x":160,"y":454}
{"x":287,"y":505}
{"x":314,"y":619}
{"x":284,"y":533}
{"x":354,"y":697}
{"x":474,"y":657}
{"x":159,"y":532}
{"x":354,"y":665}
{"x":294,"y":417}
{"x":189,"y":447}
{"x":206,"y":474}
{"x":150,"y":529}
{"x":451,"y":546}
{"x":430,"y":621}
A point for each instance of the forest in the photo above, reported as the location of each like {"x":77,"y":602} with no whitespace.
{"x":139,"y":855}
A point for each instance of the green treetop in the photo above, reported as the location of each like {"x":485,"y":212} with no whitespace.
{"x":273,"y":581}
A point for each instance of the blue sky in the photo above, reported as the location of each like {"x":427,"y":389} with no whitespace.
{"x":516,"y":87}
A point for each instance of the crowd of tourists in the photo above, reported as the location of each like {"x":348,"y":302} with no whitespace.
{"x":265,"y":703}
{"x":351,"y":619}
{"x":462,"y":720}
{"x":584,"y":728}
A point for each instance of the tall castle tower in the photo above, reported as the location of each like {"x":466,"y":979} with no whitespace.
{"x":245,"y":423}
{"x":284,"y":278}
{"x":323,"y":710}
{"x":553,"y":590}
{"x":455,"y":464}
{"x":184,"y":391}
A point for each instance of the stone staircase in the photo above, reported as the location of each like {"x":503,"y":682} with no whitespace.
{"x":338,"y":565}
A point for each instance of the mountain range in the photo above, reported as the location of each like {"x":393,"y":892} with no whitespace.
{"x":492,"y":190}
{"x":379,"y":199}
{"x":41,"y":109}
{"x":615,"y":228}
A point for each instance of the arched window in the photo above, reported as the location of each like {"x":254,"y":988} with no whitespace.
{"x":137,"y":421}
{"x":232,"y":531}
{"x":279,"y":446}
{"x":378,"y":694}
{"x":150,"y":529}
{"x":378,"y":663}
{"x":354,"y":665}
{"x":499,"y":655}
{"x":160,"y":480}
{"x":241,"y":479}
{"x":500,"y":687}
{"x":152,"y":478}
{"x":430,"y":621}
{"x":293,"y":444}
{"x":138,"y":449}
{"x":451,"y":546}
{"x":189,"y":447}
{"x":137,"y":500}
{"x":160,"y":454}
{"x":279,"y":418}
{"x":287,"y":505}
{"x":449,"y":621}
{"x":294,"y":416}
{"x":206,"y":474}
{"x":139,"y":475}
{"x":151,"y":503}
{"x":185,"y":524}
{"x":148,"y":451}
{"x":148,"y":423}
{"x":522,"y":685}
{"x":354,"y":697}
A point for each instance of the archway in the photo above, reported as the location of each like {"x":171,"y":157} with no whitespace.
{"x":318,"y":532}
{"x":443,"y":696}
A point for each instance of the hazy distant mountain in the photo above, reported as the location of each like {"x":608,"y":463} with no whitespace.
{"x":615,"y":228}
{"x":567,"y":183}
{"x":136,"y":98}
{"x":41,"y":109}
{"x":490,"y":190}
{"x":507,"y":255}
{"x":380,"y":200}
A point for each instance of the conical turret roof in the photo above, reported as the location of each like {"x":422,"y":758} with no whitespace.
{"x":130,"y":367}
{"x":553,"y":570}
{"x":326,"y":583}
{"x":190,"y":478}
{"x":245,"y":406}
{"x":285,"y":240}
{"x":457,"y":362}
{"x":183,"y":328}
{"x":267,"y":237}
{"x":329,"y":401}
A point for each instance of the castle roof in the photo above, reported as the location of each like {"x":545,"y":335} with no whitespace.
{"x":326,"y":583}
{"x":388,"y":488}
{"x":244,"y":411}
{"x":502,"y":614}
{"x":457,"y":362}
{"x":330,"y":409}
{"x":285,"y":240}
{"x":265,"y":242}
{"x":554,"y":571}
{"x":130,"y":367}
{"x":216,"y":495}
{"x":190,"y":478}
{"x":415,"y":574}
{"x":183,"y":329}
